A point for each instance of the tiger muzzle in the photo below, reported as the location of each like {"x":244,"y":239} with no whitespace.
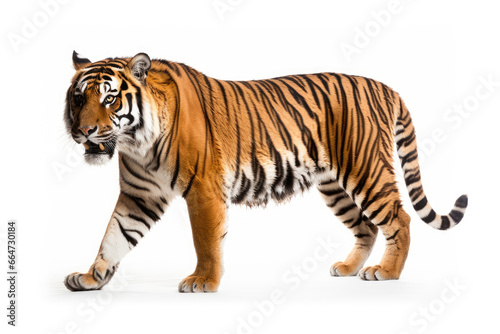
{"x":100,"y":148}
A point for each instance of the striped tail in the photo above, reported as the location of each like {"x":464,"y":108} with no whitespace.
{"x":407,"y":150}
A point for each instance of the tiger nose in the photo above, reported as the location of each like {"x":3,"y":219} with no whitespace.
{"x":87,"y":130}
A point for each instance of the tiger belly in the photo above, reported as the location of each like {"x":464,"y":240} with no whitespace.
{"x":255,"y":183}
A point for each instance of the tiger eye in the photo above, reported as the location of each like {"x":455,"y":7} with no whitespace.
{"x":109,"y":98}
{"x":78,"y":99}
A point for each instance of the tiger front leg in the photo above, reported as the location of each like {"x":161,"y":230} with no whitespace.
{"x":131,"y":220}
{"x":207,"y":212}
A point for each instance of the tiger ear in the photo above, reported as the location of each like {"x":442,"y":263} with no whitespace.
{"x":139,"y":66}
{"x":79,"y":62}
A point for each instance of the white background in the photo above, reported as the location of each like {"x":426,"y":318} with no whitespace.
{"x":436,"y":54}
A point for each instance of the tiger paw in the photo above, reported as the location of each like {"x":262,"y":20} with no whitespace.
{"x":198,"y":284}
{"x":98,"y":276}
{"x":81,"y":282}
{"x":340,"y":269}
{"x":377,"y":273}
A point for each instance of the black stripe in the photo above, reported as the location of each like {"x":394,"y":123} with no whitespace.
{"x":186,"y":192}
{"x":124,"y":85}
{"x":131,"y":184}
{"x":138,"y":98}
{"x":445,"y":223}
{"x":369,"y":198}
{"x":273,"y":114}
{"x":139,"y":219}
{"x":94,"y":70}
{"x":331,"y":192}
{"x":176,"y":171}
{"x":412,"y":178}
{"x":430,"y":217}
{"x":160,"y":146}
{"x":238,"y":150}
{"x":346,"y":209}
{"x":312,"y":86}
{"x":108,"y":272}
{"x":278,"y":162}
{"x":412,"y":156}
{"x":259,"y":186}
{"x":129,"y":115}
{"x":385,"y":220}
{"x":129,"y":100}
{"x":300,"y":100}
{"x":139,"y":202}
{"x":158,"y":205}
{"x":456,"y":215}
{"x":375,"y":213}
{"x":135,"y":231}
{"x":336,"y":200}
{"x":289,"y":179}
{"x":326,"y":183}
{"x":226,"y":105}
{"x":406,"y":140}
{"x":421,"y":204}
{"x":356,"y":223}
{"x":324,"y":80}
{"x":126,"y":235}
{"x":136,"y":175}
{"x":415,"y":193}
{"x":344,"y":124}
{"x":371,"y":160}
{"x":96,"y":275}
{"x":170,"y":65}
{"x":295,"y":79}
{"x":245,"y":187}
{"x":87,"y":78}
{"x":393,"y":236}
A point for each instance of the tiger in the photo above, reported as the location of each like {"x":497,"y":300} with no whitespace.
{"x":217,"y":142}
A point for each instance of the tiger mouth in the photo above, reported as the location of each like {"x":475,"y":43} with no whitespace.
{"x":92,"y":148}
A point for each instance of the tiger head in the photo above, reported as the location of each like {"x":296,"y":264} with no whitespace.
{"x":105,"y":104}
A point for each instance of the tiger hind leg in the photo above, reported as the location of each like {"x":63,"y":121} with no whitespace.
{"x":397,"y":235}
{"x":364,"y":231}
{"x":382,"y":205}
